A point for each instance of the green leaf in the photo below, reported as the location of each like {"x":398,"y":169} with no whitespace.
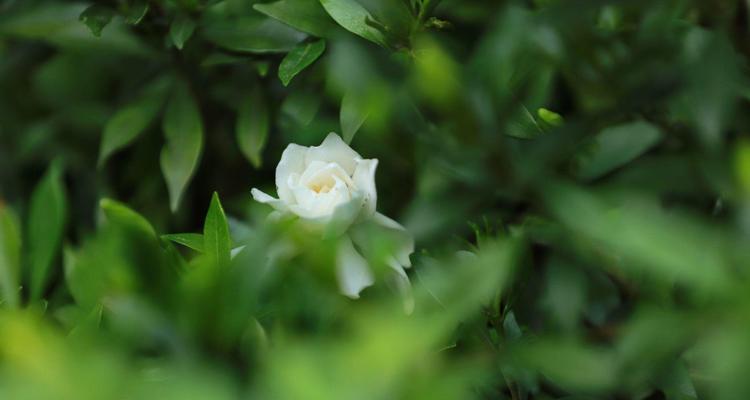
{"x":10,"y":257}
{"x":183,"y":129}
{"x":304,"y":15}
{"x":46,"y":223}
{"x":252,"y":128}
{"x":135,"y":12}
{"x":194,"y":241}
{"x":301,"y":57}
{"x":354,"y":18}
{"x":128,"y":123}
{"x":615,"y":147}
{"x":353,"y":114}
{"x":121,"y":215}
{"x":181,"y":30}
{"x":550,"y":117}
{"x":216,"y":240}
{"x":254,"y":35}
{"x":96,"y":17}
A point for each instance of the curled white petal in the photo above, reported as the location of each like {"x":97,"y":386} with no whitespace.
{"x":292,"y":162}
{"x":352,"y":270}
{"x":364,"y":180}
{"x":334,"y":150}
{"x":264,"y":198}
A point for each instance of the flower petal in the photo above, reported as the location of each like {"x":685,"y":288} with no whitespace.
{"x":292,"y":161}
{"x":264,"y":198}
{"x":364,"y":180}
{"x":335,"y":223}
{"x":334,"y":150}
{"x":352,"y":271}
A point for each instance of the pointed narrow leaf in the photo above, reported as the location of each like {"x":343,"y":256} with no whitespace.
{"x":181,"y":30}
{"x":352,"y":115}
{"x":183,"y":129}
{"x":127,"y":124}
{"x":300,"y":58}
{"x":353,"y":17}
{"x":194,"y":241}
{"x":10,"y":257}
{"x":216,"y":241}
{"x":304,"y":15}
{"x":252,"y":128}
{"x":46,"y":223}
{"x":120,"y":214}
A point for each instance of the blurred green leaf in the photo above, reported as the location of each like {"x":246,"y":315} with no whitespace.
{"x":97,"y":17}
{"x":194,"y":241}
{"x":181,"y":30}
{"x":254,"y":35}
{"x":301,"y":57}
{"x":352,"y":115}
{"x":252,"y":127}
{"x":10,"y":257}
{"x":217,"y":243}
{"x":46,"y":224}
{"x":304,"y":15}
{"x":183,"y":130}
{"x":129,"y":122}
{"x":616,"y":146}
{"x":354,"y":18}
{"x":136,"y":10}
{"x":122,"y":215}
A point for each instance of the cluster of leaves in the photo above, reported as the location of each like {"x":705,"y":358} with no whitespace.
{"x":576,"y":175}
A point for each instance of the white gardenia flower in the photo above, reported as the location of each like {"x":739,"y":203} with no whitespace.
{"x":332,"y":187}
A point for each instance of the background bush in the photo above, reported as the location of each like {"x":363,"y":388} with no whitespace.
{"x":576,"y":175}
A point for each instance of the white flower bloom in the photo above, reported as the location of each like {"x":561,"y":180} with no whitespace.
{"x":332,"y":187}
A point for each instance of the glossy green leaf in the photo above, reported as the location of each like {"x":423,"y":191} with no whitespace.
{"x":97,"y":17}
{"x":128,"y":123}
{"x":254,"y":35}
{"x":252,"y":128}
{"x":353,"y":17}
{"x":301,"y":57}
{"x":10,"y":257}
{"x":304,"y":15}
{"x":120,"y":214}
{"x":194,"y":241}
{"x":216,"y":241}
{"x":183,"y":130}
{"x":616,"y":146}
{"x":46,"y":224}
{"x":352,"y":115}
{"x":181,"y":30}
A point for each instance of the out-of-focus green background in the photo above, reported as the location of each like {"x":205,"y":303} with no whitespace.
{"x":576,"y":174}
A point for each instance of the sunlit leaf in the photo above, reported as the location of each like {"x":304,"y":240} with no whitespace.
{"x":10,"y":257}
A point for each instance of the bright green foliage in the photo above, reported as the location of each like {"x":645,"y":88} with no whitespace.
{"x":10,"y":257}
